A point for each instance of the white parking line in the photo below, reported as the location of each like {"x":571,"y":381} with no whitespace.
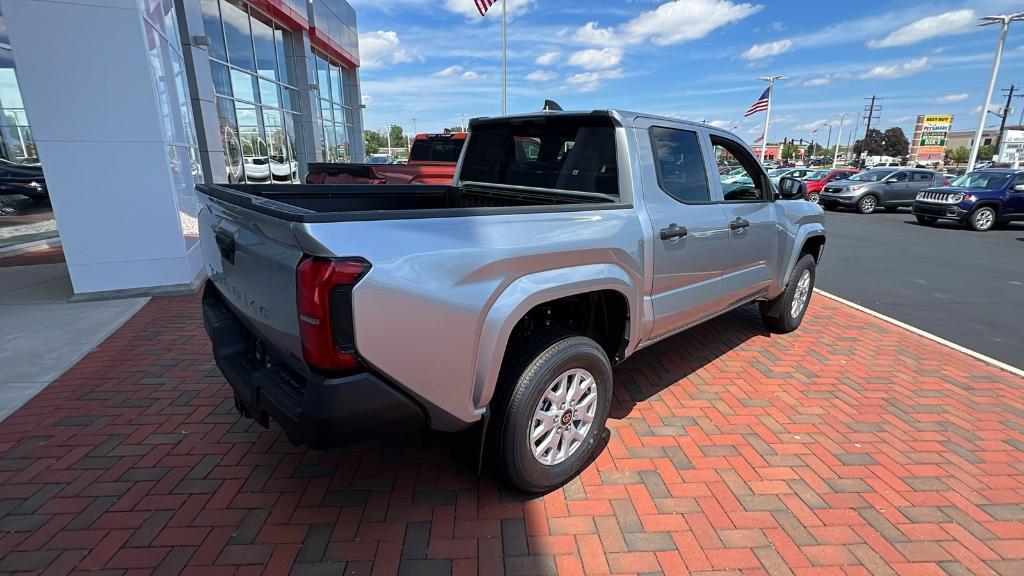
{"x":977,"y":355}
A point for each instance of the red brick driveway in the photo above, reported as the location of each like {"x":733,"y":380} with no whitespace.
{"x":851,"y":446}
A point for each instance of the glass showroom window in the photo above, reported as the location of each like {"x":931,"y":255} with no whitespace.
{"x":257,"y":102}
{"x":16,"y":144}
{"x":335,"y":114}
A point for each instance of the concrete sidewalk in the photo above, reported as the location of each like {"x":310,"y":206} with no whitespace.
{"x":851,"y":446}
{"x":41,"y":333}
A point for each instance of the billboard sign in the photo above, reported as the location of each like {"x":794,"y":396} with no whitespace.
{"x":1012,"y":147}
{"x":931,"y":137}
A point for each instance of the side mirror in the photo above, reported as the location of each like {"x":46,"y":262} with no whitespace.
{"x":791,"y":188}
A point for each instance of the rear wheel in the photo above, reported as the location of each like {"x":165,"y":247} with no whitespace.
{"x":926,"y":220}
{"x":786,"y":312}
{"x":982,"y":219}
{"x":560,"y":389}
{"x":867,"y":204}
{"x":813,"y":198}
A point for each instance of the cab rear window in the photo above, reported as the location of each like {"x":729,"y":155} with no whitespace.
{"x":557,"y":153}
{"x":437,"y":149}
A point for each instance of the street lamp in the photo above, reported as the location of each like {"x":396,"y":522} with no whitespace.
{"x":828,"y":142}
{"x":835,"y":157}
{"x":1004,"y":22}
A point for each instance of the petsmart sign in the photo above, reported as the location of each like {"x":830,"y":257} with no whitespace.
{"x":931,"y":140}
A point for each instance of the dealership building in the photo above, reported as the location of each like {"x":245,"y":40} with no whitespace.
{"x":128,"y":104}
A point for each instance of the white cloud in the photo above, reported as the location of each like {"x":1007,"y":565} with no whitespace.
{"x":722,"y":123}
{"x":945,"y":24}
{"x":811,"y":125}
{"x":596,"y":59}
{"x":367,"y":100}
{"x":381,"y":48}
{"x":950,"y":98}
{"x":468,"y":8}
{"x":992,"y":107}
{"x":901,"y":119}
{"x":817,"y":81}
{"x":547,"y":58}
{"x":908,"y":68}
{"x":541,"y":76}
{"x":591,"y":81}
{"x":458,"y":72}
{"x":673,"y":22}
{"x":449,"y":72}
{"x":758,"y":51}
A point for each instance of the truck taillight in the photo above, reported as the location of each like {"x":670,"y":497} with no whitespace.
{"x":324,"y":288}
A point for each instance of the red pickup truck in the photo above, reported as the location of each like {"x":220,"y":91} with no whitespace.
{"x":432,"y":160}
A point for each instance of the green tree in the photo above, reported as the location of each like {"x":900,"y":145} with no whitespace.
{"x":398,"y":137}
{"x":958,"y":155}
{"x":374,"y":141}
{"x":895,"y":143}
{"x":871,"y":144}
{"x":788,"y":151}
{"x":985,"y":153}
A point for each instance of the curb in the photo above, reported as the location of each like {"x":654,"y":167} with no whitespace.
{"x":976,"y":355}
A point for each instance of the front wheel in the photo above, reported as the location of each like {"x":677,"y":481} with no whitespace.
{"x":813,"y":198}
{"x":982,"y":219}
{"x":867,"y":204}
{"x":785,"y":313}
{"x":926,"y":220}
{"x":560,"y":394}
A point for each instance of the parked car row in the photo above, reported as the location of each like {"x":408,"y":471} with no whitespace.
{"x":980,"y":200}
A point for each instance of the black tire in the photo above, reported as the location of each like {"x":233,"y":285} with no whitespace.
{"x":777,"y":314}
{"x":982,"y":219}
{"x":527,"y":376}
{"x":867,"y":204}
{"x":926,"y":220}
{"x":813,"y":197}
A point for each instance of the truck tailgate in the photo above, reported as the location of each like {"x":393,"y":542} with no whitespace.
{"x":251,"y":258}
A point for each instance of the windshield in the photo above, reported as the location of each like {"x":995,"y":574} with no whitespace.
{"x":378,"y":159}
{"x":778,"y":172}
{"x":990,"y":180}
{"x":871,"y":176}
{"x":815,"y":176}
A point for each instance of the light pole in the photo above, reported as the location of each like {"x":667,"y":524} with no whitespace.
{"x":1004,"y":22}
{"x":839,"y":139}
{"x":768,"y":113}
{"x":828,"y":141}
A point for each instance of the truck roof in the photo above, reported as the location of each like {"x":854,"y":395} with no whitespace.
{"x":624,"y":117}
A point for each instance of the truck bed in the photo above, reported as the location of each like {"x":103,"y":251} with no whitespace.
{"x":330,"y":203}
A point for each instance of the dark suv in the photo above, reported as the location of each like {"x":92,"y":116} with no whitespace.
{"x":980,"y":199}
{"x":879,"y":188}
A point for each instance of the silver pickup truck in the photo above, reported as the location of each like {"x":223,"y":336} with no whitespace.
{"x":566,"y":242}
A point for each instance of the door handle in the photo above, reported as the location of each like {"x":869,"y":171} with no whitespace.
{"x":673,"y":231}
{"x":739,"y":223}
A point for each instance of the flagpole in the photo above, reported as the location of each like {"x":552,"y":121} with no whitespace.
{"x":768,"y":113}
{"x":504,"y":56}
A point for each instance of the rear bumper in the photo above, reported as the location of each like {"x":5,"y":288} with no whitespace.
{"x":315,"y":410}
{"x":940,"y":211}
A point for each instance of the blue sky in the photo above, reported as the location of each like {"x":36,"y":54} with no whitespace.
{"x":695,"y":59}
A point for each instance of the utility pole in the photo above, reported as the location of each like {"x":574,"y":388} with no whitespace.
{"x":1002,"y":123}
{"x":462,"y":121}
{"x":839,"y":139}
{"x":869,"y":111}
{"x":414,"y":130}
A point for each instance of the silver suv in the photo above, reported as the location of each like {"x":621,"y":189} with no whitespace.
{"x":886,"y":188}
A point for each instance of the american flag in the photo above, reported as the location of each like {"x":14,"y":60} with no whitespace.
{"x":483,"y":5}
{"x":813,"y":132}
{"x":760,"y":105}
{"x":759,"y":139}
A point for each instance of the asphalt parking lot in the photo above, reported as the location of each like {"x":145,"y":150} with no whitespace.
{"x":964,"y":286}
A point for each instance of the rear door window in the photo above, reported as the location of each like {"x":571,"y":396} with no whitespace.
{"x":571,"y":153}
{"x":442,"y":148}
{"x":680,"y":165}
{"x":923,"y":177}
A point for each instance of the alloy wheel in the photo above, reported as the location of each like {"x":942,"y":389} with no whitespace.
{"x":801,"y":294}
{"x":563,"y":417}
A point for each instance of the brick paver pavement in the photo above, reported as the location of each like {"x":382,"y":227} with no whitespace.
{"x":850,"y":446}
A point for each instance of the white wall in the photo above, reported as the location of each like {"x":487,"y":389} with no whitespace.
{"x":106,"y":97}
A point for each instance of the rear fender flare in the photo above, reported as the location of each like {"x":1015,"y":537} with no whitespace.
{"x":523,"y":294}
{"x":805,"y":233}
